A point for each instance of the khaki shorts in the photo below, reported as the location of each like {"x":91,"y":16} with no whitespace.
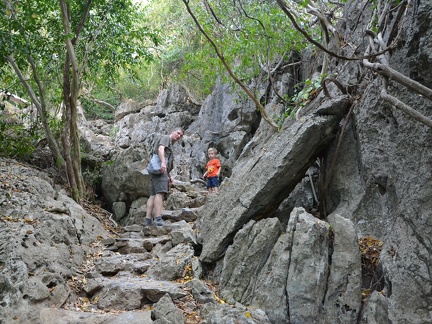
{"x":159,"y":183}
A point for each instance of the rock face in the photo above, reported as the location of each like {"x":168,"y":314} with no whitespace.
{"x":380,"y":187}
{"x":275,"y":258}
{"x":263,"y":178}
{"x":44,"y":236}
{"x":288,"y":272}
{"x":224,"y":121}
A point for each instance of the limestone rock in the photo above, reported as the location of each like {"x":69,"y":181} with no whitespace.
{"x":60,"y":316}
{"x":165,"y":312}
{"x":276,"y":173}
{"x":173,"y":263}
{"x":308,"y":269}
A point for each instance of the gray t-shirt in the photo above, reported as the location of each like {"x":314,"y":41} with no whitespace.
{"x":166,"y":142}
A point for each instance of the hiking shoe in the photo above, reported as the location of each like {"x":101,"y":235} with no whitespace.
{"x":159,"y":221}
{"x":148,"y":222}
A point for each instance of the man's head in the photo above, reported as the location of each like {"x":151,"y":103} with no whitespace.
{"x":176,"y":134}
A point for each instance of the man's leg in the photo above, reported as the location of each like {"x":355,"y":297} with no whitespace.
{"x":149,"y":217}
{"x":158,"y":203}
{"x":150,"y":204}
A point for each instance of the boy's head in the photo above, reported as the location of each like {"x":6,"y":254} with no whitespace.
{"x":212,"y":152}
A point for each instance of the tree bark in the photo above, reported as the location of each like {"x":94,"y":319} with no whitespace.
{"x":70,"y":96}
{"x":41,"y":109}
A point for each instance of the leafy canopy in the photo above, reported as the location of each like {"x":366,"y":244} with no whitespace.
{"x":115,"y":35}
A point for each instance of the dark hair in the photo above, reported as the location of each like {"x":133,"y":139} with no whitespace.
{"x":178,"y":129}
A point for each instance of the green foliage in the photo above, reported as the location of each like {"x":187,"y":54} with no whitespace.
{"x":307,"y":90}
{"x":16,"y":140}
{"x":113,"y":132}
{"x":93,"y":110}
{"x":115,"y":36}
{"x":248,"y":34}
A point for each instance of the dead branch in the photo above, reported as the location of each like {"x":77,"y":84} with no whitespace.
{"x":13,"y":98}
{"x":290,"y":16}
{"x":388,"y":73}
{"x":336,"y":82}
{"x":405,"y":108}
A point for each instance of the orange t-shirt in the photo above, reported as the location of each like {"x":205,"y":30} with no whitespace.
{"x":212,"y":167}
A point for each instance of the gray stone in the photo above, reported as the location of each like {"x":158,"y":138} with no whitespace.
{"x":214,"y":313}
{"x":183,"y":233}
{"x":186,"y":214}
{"x":343,"y":297}
{"x":308,"y":269}
{"x":109,"y":241}
{"x":42,"y":245}
{"x":119,"y":209}
{"x":245,"y":257}
{"x":133,"y":246}
{"x":127,"y":292}
{"x":165,"y":311}
{"x":61,"y":316}
{"x":135,"y":263}
{"x":270,"y":290}
{"x":201,"y":292}
{"x":197,"y":268}
{"x":133,"y":228}
{"x":375,"y":310}
{"x":172,"y":264}
{"x":276,"y":173}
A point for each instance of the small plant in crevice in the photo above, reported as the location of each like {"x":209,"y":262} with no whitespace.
{"x":305,"y":93}
{"x":372,"y":276}
{"x":113,"y":132}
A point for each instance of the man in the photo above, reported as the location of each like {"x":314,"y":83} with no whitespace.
{"x":160,"y":182}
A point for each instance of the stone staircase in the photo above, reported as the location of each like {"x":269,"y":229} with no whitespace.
{"x":150,"y":274}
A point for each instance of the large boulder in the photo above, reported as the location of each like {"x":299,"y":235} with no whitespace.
{"x":44,"y":238}
{"x":265,"y":174}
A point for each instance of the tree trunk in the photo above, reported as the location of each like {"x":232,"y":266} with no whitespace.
{"x":66,"y":132}
{"x":70,"y":97}
{"x":41,"y":109}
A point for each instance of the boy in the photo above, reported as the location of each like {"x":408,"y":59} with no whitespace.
{"x":213,"y":168}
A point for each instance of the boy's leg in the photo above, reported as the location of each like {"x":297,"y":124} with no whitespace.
{"x":209,"y":189}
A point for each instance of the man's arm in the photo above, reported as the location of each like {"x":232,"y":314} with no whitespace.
{"x":161,"y":153}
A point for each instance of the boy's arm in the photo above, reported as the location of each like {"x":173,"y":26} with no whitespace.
{"x":219,"y":167}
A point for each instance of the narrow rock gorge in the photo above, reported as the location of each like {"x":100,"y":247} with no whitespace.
{"x":326,"y":220}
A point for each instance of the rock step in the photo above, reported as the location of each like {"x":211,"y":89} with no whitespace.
{"x":128,"y":292}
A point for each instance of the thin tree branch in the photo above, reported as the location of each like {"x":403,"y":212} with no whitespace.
{"x":336,"y":82}
{"x":213,"y":13}
{"x":390,"y":73}
{"x":285,"y":9}
{"x":229,"y":70}
{"x":23,"y":80}
{"x":405,"y":108}
{"x":82,"y":21}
